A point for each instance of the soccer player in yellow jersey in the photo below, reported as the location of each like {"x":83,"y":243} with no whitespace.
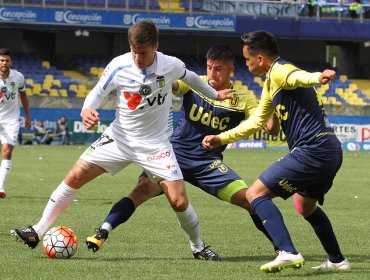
{"x":315,"y":157}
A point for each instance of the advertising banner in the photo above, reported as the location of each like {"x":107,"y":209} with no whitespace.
{"x":114,"y":19}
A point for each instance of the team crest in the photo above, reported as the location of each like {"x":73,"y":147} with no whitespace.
{"x":145,"y":90}
{"x":160,"y":81}
{"x":190,"y":21}
{"x":223,"y":168}
{"x":59,"y":15}
{"x":12,"y":85}
{"x":234,"y":101}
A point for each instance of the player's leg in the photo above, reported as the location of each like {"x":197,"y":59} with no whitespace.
{"x":239,"y":198}
{"x":321,"y":224}
{"x":5,"y":167}
{"x":260,"y":198}
{"x":8,"y":137}
{"x":187,"y":218}
{"x":102,"y":156}
{"x":123,"y":210}
{"x":62,"y":197}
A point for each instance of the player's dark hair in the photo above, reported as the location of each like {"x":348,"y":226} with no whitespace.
{"x":142,"y":32}
{"x":260,"y":42}
{"x":5,"y":51}
{"x":221,"y":52}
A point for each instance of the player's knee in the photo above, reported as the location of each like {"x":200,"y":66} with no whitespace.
{"x":297,"y":205}
{"x":179,"y":203}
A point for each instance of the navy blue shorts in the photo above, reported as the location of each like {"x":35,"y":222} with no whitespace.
{"x":309,"y":174}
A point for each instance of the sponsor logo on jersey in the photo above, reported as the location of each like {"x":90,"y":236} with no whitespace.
{"x":287,"y":186}
{"x":133,"y":99}
{"x":145,"y":90}
{"x":160,"y":81}
{"x":223,"y":168}
{"x":234,"y":101}
{"x":207,"y":119}
{"x":215,"y":163}
{"x":159,"y":156}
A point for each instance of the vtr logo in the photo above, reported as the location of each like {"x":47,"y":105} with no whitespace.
{"x":134,"y":99}
{"x":287,"y":186}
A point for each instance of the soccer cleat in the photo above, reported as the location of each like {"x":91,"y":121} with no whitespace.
{"x":96,"y":241}
{"x":207,"y":254}
{"x":343,"y":265}
{"x":2,"y":194}
{"x":283,"y":260}
{"x":28,"y":236}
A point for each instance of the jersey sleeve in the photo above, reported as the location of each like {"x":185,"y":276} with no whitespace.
{"x":289,"y":77}
{"x":183,"y":88}
{"x":22,"y":85}
{"x":104,"y":86}
{"x":250,"y":105}
{"x":254,"y":123}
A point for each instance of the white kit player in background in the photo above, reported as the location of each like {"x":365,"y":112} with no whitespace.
{"x":140,"y":132}
{"x":11,"y":87}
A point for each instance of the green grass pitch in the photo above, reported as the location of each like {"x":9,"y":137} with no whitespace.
{"x":152,"y":246}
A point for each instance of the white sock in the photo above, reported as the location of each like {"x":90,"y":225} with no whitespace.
{"x":188,"y":221}
{"x":106,"y":226}
{"x":5,"y":167}
{"x":59,"y":201}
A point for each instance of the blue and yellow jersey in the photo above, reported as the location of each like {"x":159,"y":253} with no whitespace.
{"x":200,"y":116}
{"x":290,"y":92}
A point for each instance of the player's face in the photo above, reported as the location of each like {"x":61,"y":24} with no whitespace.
{"x":254,"y":62}
{"x":218,"y":73}
{"x":144,"y":54}
{"x":5,"y":63}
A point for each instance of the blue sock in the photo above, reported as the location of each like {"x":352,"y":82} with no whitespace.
{"x":324,"y":231}
{"x":120,"y":212}
{"x":258,"y":223}
{"x":274,"y":223}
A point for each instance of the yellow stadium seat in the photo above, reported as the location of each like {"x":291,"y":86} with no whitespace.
{"x":258,"y":80}
{"x":54,"y":93}
{"x":29,"y":92}
{"x":46,"y":85}
{"x":57,"y":83}
{"x":238,"y":83}
{"x":343,"y":78}
{"x":36,"y":88}
{"x":49,"y":77}
{"x":353,"y":86}
{"x":29,"y":82}
{"x":73,"y":87}
{"x":94,"y":71}
{"x":339,"y":91}
{"x":63,"y":93}
{"x":100,"y":71}
{"x":45,"y":64}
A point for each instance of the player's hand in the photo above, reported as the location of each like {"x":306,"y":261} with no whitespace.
{"x":327,"y":76}
{"x":211,"y":141}
{"x":28,"y":123}
{"x":90,"y":118}
{"x":225,"y":94}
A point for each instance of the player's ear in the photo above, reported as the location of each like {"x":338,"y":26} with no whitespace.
{"x":156,"y":46}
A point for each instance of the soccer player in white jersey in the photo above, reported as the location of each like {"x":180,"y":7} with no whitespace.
{"x":11,"y":87}
{"x":139,"y":134}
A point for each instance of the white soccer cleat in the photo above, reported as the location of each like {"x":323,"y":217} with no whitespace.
{"x":343,"y":265}
{"x":283,"y":260}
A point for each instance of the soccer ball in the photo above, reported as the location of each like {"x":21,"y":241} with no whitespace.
{"x":60,"y":242}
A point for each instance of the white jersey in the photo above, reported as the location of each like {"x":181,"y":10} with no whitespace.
{"x":9,"y":95}
{"x":144,"y":101}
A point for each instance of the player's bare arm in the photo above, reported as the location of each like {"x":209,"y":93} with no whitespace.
{"x":327,"y":76}
{"x":272,"y":127}
{"x":90,"y":118}
{"x":211,"y":141}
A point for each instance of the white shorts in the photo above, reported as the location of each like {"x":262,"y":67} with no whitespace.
{"x":158,"y":161}
{"x":9,"y":132}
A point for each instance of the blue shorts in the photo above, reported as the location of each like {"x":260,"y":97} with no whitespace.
{"x":211,"y":175}
{"x":309,"y":174}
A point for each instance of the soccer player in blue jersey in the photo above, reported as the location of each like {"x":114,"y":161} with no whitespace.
{"x":315,"y":157}
{"x":202,"y":168}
